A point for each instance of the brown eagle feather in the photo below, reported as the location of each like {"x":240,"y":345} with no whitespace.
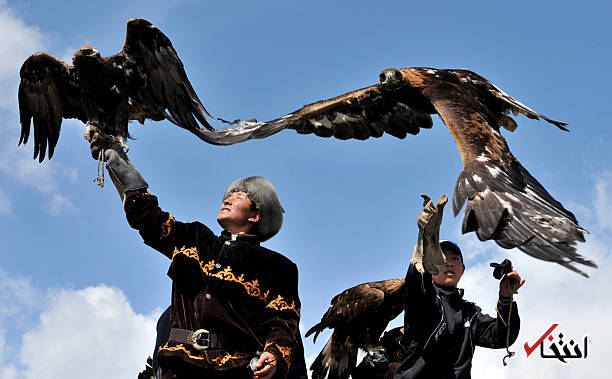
{"x":504,"y":202}
{"x":358,"y":316}
{"x":144,"y":80}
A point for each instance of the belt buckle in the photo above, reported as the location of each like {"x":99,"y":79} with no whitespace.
{"x":194,"y":339}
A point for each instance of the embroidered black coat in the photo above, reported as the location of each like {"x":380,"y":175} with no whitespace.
{"x":238,"y":289}
{"x":441,"y":330}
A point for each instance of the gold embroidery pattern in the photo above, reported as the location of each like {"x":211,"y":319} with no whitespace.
{"x":190,"y":252}
{"x":223,"y":359}
{"x":167,"y":227}
{"x":281,"y":305}
{"x":285,"y":351}
{"x":180,"y":347}
{"x":220,"y":360}
{"x":207,"y":267}
{"x":252,"y":287}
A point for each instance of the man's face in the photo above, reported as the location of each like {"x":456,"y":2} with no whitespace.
{"x":453,"y":271}
{"x":236,"y":215}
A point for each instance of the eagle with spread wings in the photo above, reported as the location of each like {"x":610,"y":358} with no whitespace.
{"x":144,"y":80}
{"x":358,"y":315}
{"x":505,"y":202}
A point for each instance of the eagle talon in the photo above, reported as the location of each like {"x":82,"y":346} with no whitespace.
{"x":121,"y":141}
{"x":90,"y":132}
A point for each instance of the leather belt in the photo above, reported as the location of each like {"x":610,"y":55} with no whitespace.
{"x":200,"y":339}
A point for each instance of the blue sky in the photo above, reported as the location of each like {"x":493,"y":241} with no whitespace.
{"x":68,"y":253}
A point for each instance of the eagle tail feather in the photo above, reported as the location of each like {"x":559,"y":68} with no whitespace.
{"x":497,"y":197}
{"x":332,"y":365}
{"x":246,"y":130}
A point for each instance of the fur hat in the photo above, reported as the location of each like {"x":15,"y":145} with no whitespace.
{"x":262,"y":193}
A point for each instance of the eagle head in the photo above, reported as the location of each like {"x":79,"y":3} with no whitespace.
{"x":390,"y":77}
{"x":86,"y":51}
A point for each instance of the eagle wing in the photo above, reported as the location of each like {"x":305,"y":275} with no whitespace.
{"x":360,"y":114}
{"x":47,"y":93}
{"x":510,"y":104}
{"x":504,"y":201}
{"x":358,"y":316}
{"x":348,"y":306}
{"x":156,"y":77}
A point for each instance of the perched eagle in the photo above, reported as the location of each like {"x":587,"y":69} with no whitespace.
{"x":504,"y":202}
{"x":358,"y":315}
{"x":145,"y":79}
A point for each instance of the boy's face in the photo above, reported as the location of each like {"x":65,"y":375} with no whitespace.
{"x":453,"y":271}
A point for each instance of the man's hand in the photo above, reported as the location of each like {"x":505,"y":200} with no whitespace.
{"x":510,"y":284}
{"x":265,"y":370}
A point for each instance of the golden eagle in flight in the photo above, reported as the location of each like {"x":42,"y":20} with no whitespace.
{"x":145,"y":79}
{"x":358,"y":315}
{"x":504,"y":202}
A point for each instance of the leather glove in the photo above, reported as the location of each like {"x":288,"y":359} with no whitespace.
{"x":428,"y":256}
{"x":124,"y":175}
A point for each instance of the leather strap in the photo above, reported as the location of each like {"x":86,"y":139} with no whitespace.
{"x":200,"y":339}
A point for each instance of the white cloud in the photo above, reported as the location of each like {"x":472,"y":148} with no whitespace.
{"x":310,"y":359}
{"x":7,"y":369}
{"x":93,"y":331}
{"x":17,"y":43}
{"x":5,"y":203}
{"x":71,"y":173}
{"x":16,"y":294}
{"x":603,"y":202}
{"x":60,"y":204}
{"x":19,"y":300}
{"x":472,"y":248}
{"x":17,"y":164}
{"x":66,"y":56}
{"x":83,"y":333}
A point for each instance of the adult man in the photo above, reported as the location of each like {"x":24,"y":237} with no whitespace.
{"x":441,"y":329}
{"x":231,"y":297}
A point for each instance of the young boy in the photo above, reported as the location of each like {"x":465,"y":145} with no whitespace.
{"x":441,"y":329}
